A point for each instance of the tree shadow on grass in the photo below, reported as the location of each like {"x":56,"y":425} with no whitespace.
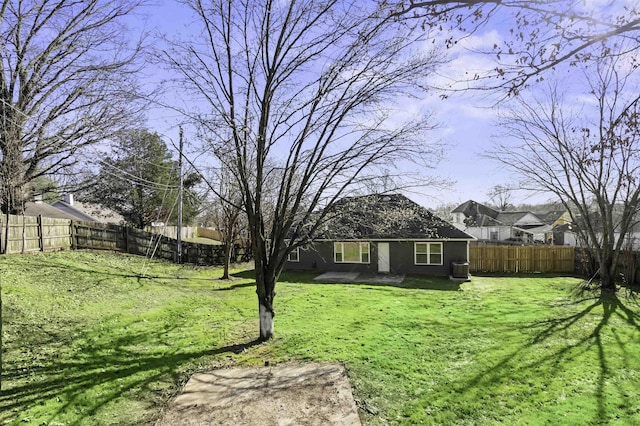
{"x":247,"y":274}
{"x":96,"y":370}
{"x":605,"y":339}
{"x":99,"y":277}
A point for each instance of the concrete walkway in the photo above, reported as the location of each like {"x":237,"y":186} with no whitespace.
{"x":355,"y":277}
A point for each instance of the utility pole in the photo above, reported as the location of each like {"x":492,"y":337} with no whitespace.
{"x":180,"y":184}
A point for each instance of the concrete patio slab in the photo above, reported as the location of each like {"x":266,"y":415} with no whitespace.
{"x":337,"y":277}
{"x":380,"y":278}
{"x":308,"y":394}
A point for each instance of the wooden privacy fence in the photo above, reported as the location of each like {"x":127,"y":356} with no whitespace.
{"x":522,"y":259}
{"x":209,"y":233}
{"x":34,"y":233}
{"x":31,"y":234}
{"x":172,"y":231}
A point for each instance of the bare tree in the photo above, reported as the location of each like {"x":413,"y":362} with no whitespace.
{"x":226,"y":212}
{"x":543,"y":34}
{"x":66,"y":73}
{"x":589,"y":158}
{"x":443,"y":210}
{"x":299,"y":88}
{"x":500,"y":196}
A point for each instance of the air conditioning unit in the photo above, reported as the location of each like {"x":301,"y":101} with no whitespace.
{"x":460,"y":270}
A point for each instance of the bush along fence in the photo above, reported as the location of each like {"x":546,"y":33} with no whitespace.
{"x":24,"y":234}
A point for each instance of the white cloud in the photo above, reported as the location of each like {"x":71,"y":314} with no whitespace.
{"x":479,"y":42}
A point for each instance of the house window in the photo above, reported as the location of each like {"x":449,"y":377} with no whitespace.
{"x":494,"y":234}
{"x":428,"y":253}
{"x":351,"y":252}
{"x":294,"y":256}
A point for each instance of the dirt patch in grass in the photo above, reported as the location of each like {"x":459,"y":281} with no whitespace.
{"x":310,"y":394}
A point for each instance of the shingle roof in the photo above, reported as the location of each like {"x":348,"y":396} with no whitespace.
{"x":482,"y":220}
{"x":472,"y":208}
{"x":550,"y":217}
{"x":46,"y":210}
{"x":88,"y":211}
{"x":511,"y":218}
{"x":391,"y":216}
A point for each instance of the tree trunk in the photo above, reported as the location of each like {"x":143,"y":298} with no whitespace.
{"x":12,"y":175}
{"x":265,"y":288}
{"x":226,"y":261}
{"x":607,"y":274}
{"x":266,"y":320}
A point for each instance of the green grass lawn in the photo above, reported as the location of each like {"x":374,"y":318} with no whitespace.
{"x":102,"y":338}
{"x":202,"y":240}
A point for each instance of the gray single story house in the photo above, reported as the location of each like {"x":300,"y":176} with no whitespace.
{"x":384,"y":234}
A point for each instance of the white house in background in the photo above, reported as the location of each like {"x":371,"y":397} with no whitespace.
{"x":486,"y":223}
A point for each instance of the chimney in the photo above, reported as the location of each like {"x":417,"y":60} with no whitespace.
{"x":37,"y":198}
{"x":68,"y":198}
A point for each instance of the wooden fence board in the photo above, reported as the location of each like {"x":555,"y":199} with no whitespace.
{"x":172,"y":231}
{"x":522,"y":259}
{"x":28,"y":233}
{"x":55,"y":234}
{"x":209,"y":233}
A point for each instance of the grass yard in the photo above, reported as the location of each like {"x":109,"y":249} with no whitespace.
{"x":202,"y":240}
{"x":102,"y":338}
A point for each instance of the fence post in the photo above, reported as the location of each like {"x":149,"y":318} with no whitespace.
{"x":72,"y":229}
{"x":40,"y":233}
{"x":126,"y":239}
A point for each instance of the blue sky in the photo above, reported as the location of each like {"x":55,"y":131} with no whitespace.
{"x":467,"y":119}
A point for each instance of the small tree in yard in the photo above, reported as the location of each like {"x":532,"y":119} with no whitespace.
{"x":590,"y":159}
{"x":226,"y":213}
{"x":298,"y":89}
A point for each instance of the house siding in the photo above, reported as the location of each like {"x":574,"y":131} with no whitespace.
{"x":484,"y":232}
{"x":319,"y":257}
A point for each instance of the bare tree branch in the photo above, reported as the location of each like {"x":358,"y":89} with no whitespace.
{"x":302,"y":97}
{"x":589,"y":158}
{"x":543,"y":34}
{"x":66,"y":81}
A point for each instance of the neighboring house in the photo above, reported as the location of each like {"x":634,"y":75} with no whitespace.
{"x":485,"y":223}
{"x":383,"y":234}
{"x":565,"y":235}
{"x":556,"y":218}
{"x":87,"y":211}
{"x":38,"y":208}
{"x":71,"y":210}
{"x":473,"y":214}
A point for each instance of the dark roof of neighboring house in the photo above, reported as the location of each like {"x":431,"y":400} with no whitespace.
{"x":90,"y":212}
{"x":550,"y":217}
{"x":511,"y":218}
{"x":392,"y":216}
{"x":46,"y":210}
{"x":482,"y":220}
{"x":72,"y":210}
{"x":473,"y":209}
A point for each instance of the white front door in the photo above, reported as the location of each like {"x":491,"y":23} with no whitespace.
{"x":383,"y":257}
